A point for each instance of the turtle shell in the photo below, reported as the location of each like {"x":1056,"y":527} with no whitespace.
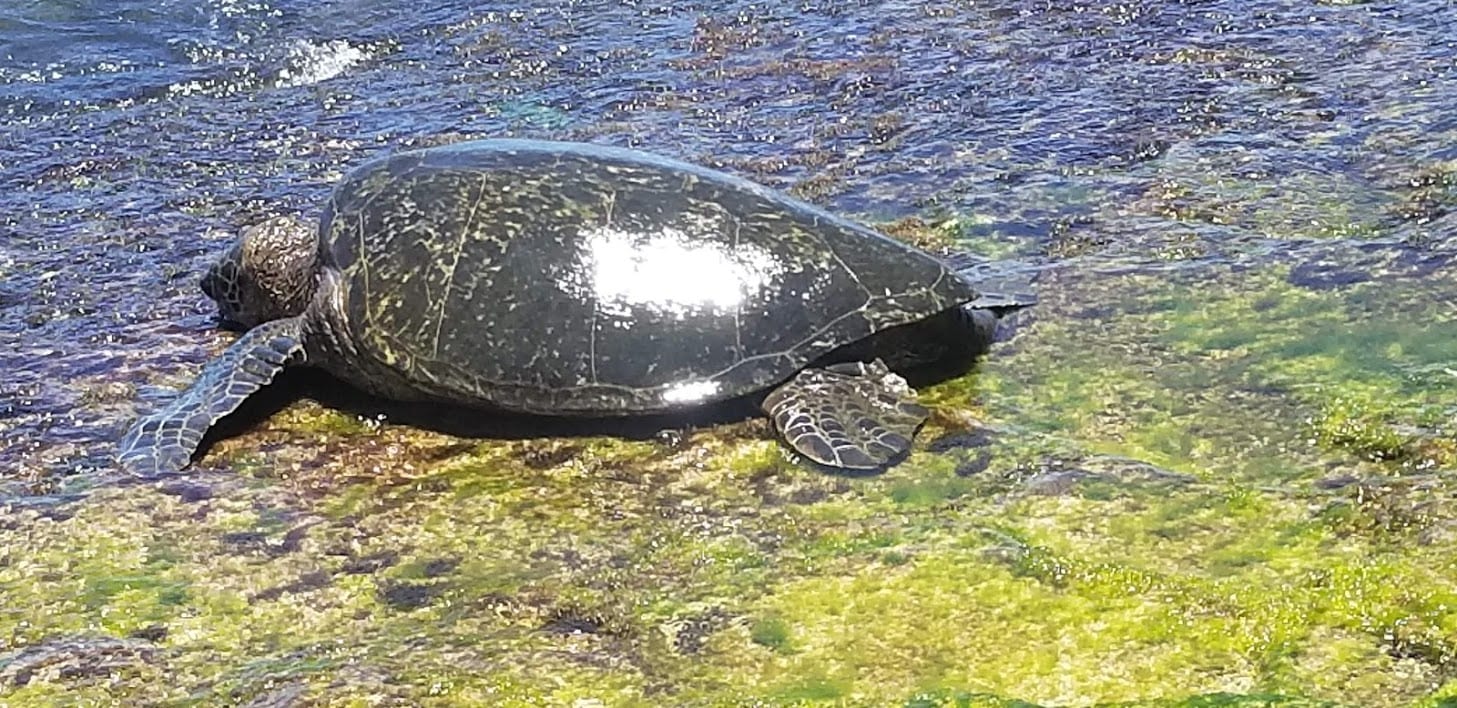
{"x":578,"y":279}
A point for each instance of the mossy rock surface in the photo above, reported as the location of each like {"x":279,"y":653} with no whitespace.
{"x":1219,"y":501}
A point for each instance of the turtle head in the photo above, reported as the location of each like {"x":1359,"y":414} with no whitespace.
{"x":267,"y":274}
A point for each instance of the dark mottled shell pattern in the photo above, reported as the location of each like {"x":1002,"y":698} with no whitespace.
{"x":567,"y":278}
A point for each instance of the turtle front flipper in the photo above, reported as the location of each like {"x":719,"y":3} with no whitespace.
{"x":165,"y":440}
{"x":852,"y":416}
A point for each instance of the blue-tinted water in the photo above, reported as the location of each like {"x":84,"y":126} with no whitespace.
{"x":137,"y":137}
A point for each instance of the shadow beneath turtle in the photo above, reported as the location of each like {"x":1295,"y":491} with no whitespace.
{"x":488,"y":424}
{"x":465,"y":421}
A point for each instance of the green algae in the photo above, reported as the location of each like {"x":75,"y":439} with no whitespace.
{"x":771,"y":632}
{"x":1236,"y":493}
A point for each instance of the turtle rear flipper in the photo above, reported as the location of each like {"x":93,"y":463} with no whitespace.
{"x":852,"y":416}
{"x":165,"y":440}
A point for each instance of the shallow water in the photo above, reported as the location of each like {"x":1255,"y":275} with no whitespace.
{"x":1216,"y":459}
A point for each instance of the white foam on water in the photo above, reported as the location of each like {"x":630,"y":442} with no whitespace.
{"x":242,"y":8}
{"x":309,"y":63}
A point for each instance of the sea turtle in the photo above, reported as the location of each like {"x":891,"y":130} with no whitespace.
{"x":573,"y":279}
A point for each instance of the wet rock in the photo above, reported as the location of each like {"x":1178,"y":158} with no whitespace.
{"x":1336,"y":481}
{"x":74,"y":659}
{"x":260,"y":542}
{"x":439,"y":567}
{"x":1406,"y":508}
{"x":292,"y":540}
{"x":1321,"y":275}
{"x":570,"y":622}
{"x":1441,"y":533}
{"x":150,"y":633}
{"x":1056,"y":482}
{"x":977,"y":438}
{"x":409,"y":595}
{"x":693,"y":633}
{"x":188,"y":491}
{"x":808,"y":495}
{"x":371,"y":563}
{"x":1136,"y":472}
{"x":1419,"y":263}
{"x":246,"y":540}
{"x":108,"y":393}
{"x":287,"y":696}
{"x":974,"y":466}
{"x":1413,"y":638}
{"x":920,"y":233}
{"x":306,"y":582}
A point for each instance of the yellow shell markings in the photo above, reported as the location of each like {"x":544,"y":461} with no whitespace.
{"x":385,"y":333}
{"x":465,"y":235}
{"x":380,"y":303}
{"x":371,"y":186}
